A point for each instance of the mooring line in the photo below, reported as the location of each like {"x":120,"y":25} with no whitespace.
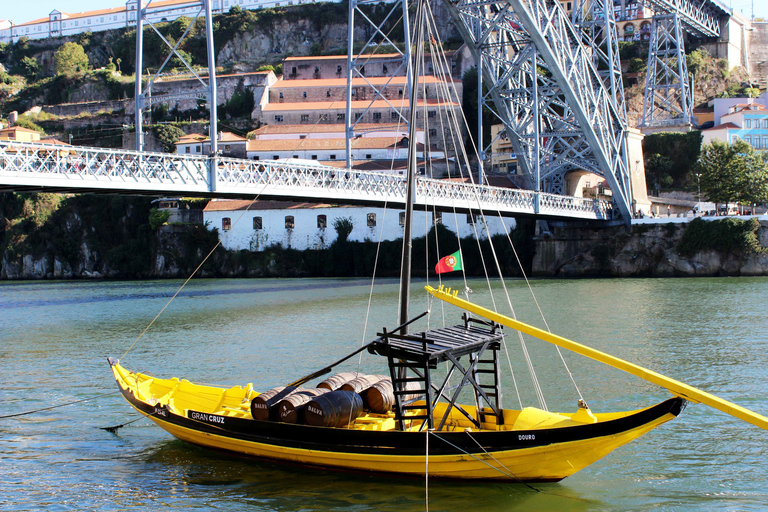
{"x":57,"y":406}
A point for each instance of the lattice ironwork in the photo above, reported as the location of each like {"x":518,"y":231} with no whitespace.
{"x":543,"y":84}
{"x":207,"y":88}
{"x":71,"y":168}
{"x":701,"y":18}
{"x":667,"y":88}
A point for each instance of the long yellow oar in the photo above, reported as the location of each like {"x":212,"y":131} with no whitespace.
{"x":674,"y":386}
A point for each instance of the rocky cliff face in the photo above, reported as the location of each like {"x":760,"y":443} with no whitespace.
{"x":650,"y":250}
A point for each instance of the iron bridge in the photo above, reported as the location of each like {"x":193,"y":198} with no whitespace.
{"x":51,"y":168}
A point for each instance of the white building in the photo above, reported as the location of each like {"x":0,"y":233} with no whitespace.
{"x":61,"y":23}
{"x":243,"y":225}
{"x":198,"y":144}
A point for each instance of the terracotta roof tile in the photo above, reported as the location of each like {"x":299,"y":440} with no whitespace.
{"x":322,"y":144}
{"x":227,"y":205}
{"x":356,"y":82}
{"x":341,"y":104}
{"x":273,"y":129}
{"x":721,"y":126}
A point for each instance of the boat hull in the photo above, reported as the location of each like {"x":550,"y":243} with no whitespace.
{"x":536,"y":454}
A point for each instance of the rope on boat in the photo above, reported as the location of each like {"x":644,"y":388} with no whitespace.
{"x":505,"y":473}
{"x":57,"y":406}
{"x":114,"y":428}
{"x":256,"y":197}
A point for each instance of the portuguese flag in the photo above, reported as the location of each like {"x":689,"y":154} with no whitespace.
{"x":449,"y":263}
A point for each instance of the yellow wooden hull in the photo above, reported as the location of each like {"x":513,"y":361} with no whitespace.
{"x":532,"y":445}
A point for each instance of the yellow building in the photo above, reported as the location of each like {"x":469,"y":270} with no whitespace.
{"x":502,"y":157}
{"x":19,"y":134}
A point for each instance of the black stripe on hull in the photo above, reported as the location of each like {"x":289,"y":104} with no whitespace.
{"x":395,"y":443}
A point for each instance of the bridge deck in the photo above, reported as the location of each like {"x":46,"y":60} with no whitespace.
{"x":77,"y":169}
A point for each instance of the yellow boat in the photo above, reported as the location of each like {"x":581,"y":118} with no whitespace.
{"x":423,"y":435}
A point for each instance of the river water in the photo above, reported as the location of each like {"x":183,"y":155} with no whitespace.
{"x":55,"y":337}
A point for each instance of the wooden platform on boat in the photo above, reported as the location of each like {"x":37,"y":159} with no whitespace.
{"x":436,"y":345}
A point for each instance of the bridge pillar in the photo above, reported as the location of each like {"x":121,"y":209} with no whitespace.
{"x":667,"y":100}
{"x":207,"y":90}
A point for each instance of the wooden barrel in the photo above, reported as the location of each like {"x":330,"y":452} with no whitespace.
{"x":380,"y":397}
{"x":263,"y":406}
{"x":333,"y":409}
{"x":362,"y":382}
{"x":291,"y":408}
{"x":337,"y":380}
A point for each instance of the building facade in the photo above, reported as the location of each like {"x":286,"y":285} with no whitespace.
{"x":60,"y":23}
{"x":244,"y":225}
{"x":745,"y":121}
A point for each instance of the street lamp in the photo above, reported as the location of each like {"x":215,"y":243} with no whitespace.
{"x":698,"y":186}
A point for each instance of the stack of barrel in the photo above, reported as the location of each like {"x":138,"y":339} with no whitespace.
{"x":336,"y":402}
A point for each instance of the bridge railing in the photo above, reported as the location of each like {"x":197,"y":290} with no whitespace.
{"x":35,"y":165}
{"x":62,"y":166}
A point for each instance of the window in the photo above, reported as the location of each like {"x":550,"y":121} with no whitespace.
{"x":358,"y":115}
{"x":333,"y":157}
{"x":747,"y":123}
{"x":279,"y":118}
{"x":748,"y":140}
{"x":226,"y":223}
{"x":384,"y":68}
{"x":304,"y":94}
{"x":323,"y":117}
{"x":293,"y":70}
{"x":376,"y":116}
{"x":432,"y":132}
{"x":368,"y":156}
{"x":328,"y":93}
{"x":765,"y":123}
{"x":765,"y":142}
{"x":257,"y":223}
{"x":280,"y":95}
{"x":757,"y":142}
{"x":227,"y":147}
{"x":197,"y":149}
{"x":314,"y":157}
{"x":371,"y":220}
{"x":317,"y":69}
{"x":394,"y":115}
{"x":304,"y":118}
{"x":338,"y":69}
{"x":471,"y":218}
{"x":322,"y":222}
{"x":431,"y":114}
{"x":399,"y":92}
{"x":401,"y":218}
{"x":438,"y":218}
{"x":275,"y":157}
{"x":362,"y":70}
{"x":187,"y":149}
{"x":340,"y":117}
{"x":257,"y":158}
{"x":289,"y":222}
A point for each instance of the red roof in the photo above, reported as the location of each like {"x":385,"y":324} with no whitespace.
{"x":229,"y":205}
{"x":729,"y":126}
{"x":356,"y":105}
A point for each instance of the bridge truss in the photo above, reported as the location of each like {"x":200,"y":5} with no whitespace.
{"x":207,"y":85}
{"x":545,"y":83}
{"x":668,"y":99}
{"x":37,"y":167}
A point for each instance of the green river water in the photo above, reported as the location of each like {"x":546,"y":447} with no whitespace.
{"x":55,"y":337}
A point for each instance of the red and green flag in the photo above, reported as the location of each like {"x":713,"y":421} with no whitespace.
{"x":449,"y":263}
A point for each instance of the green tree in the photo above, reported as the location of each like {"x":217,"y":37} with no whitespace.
{"x":733,"y":173}
{"x":719,"y":175}
{"x":167,"y":135}
{"x":69,"y":59}
{"x":30,"y":68}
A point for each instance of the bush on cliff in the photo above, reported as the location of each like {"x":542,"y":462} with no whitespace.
{"x":726,"y":236}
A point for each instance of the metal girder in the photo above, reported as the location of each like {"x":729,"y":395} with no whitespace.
{"x":376,"y":37}
{"x":700,"y":18}
{"x":544,"y":86}
{"x":206,"y":90}
{"x":668,"y":99}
